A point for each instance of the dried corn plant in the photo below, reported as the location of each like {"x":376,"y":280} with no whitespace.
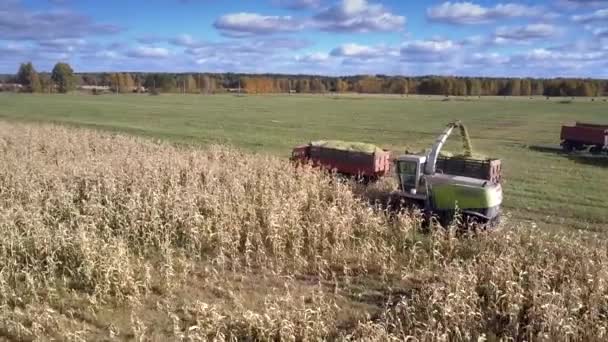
{"x":113,"y":237}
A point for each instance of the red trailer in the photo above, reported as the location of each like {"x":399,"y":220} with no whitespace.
{"x":584,"y":135}
{"x":368,"y":166}
{"x":586,"y":124}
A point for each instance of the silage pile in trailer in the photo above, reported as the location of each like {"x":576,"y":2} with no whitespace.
{"x":109,"y":237}
{"x":464,"y":155}
{"x":347,"y":146}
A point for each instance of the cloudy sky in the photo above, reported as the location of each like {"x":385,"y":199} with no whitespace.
{"x":334,"y":37}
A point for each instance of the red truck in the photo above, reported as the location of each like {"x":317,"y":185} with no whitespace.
{"x":368,"y":165}
{"x":584,"y":135}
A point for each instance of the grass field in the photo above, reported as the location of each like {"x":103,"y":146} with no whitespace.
{"x":550,"y":189}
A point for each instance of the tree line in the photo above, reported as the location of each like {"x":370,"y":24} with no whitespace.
{"x":63,"y":79}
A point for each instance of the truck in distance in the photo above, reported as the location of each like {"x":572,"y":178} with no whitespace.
{"x":582,"y":136}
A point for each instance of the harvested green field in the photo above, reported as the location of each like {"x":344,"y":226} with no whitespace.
{"x":551,"y":189}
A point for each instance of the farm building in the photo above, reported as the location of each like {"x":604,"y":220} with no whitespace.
{"x":10,"y":87}
{"x":93,"y":87}
{"x":235,"y":90}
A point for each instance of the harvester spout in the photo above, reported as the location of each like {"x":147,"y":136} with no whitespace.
{"x":431,"y":161}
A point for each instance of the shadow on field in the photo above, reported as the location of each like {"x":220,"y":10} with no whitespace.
{"x":346,"y":98}
{"x":588,"y":159}
{"x":556,"y":149}
{"x":600,"y":160}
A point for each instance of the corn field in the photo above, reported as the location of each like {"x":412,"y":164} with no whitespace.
{"x":109,"y":237}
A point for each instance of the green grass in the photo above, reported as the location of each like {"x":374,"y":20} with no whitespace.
{"x":549,"y":188}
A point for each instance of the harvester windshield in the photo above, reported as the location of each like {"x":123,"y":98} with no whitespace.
{"x":409,"y":169}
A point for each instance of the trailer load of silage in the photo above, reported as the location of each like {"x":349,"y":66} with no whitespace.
{"x":351,"y":146}
{"x":464,"y":156}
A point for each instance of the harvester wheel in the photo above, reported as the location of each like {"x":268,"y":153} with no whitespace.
{"x":568,"y":146}
{"x":597,"y":149}
{"x":474,"y":223}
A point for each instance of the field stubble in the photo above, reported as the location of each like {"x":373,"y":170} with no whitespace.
{"x":113,"y":237}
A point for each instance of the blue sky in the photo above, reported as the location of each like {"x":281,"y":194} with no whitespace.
{"x":333,"y":37}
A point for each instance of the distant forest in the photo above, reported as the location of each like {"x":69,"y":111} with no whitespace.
{"x":277,"y":83}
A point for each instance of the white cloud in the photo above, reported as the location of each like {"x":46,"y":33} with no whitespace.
{"x":247,"y":24}
{"x":356,"y":50}
{"x":316,"y":57}
{"x":562,"y":62}
{"x":498,"y":41}
{"x":106,"y":54}
{"x":185,"y":40}
{"x":473,"y":40}
{"x":63,"y":44}
{"x":358,"y":16}
{"x":248,"y":50}
{"x":522,"y":33}
{"x":345,"y":16}
{"x":600,"y":32}
{"x":245,"y":55}
{"x":597,"y":16}
{"x":13,"y":47}
{"x":427,"y":51}
{"x":299,"y":4}
{"x":428,"y":46}
{"x":149,"y":39}
{"x":544,"y":55}
{"x":149,"y":52}
{"x":575,"y":4}
{"x":488,"y":59}
{"x":20,"y":23}
{"x":471,"y":13}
